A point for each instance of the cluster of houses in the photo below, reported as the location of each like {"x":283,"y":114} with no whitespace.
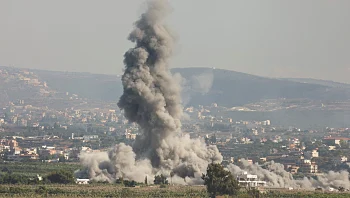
{"x":33,"y":149}
{"x":293,"y":155}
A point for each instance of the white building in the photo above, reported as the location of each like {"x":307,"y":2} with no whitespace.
{"x":90,"y":137}
{"x":314,"y":153}
{"x":82,"y":181}
{"x":343,"y":159}
{"x":248,"y":180}
{"x":268,"y":122}
{"x":311,"y":154}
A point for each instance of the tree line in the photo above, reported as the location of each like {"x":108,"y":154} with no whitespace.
{"x":217,"y":180}
{"x":58,"y":177}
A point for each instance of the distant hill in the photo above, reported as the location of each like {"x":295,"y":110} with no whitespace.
{"x":16,"y":85}
{"x":87,"y":85}
{"x":319,"y":82}
{"x":202,"y":86}
{"x":229,"y":88}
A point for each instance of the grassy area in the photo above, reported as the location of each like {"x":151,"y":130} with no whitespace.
{"x":309,"y":194}
{"x":110,"y":190}
{"x":99,"y":190}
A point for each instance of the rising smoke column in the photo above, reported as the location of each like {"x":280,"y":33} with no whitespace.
{"x":151,"y":98}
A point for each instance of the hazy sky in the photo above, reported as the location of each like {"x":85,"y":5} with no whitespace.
{"x":295,"y":38}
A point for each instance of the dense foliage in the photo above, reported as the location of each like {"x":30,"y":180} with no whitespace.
{"x":220,"y":181}
{"x":160,"y":179}
{"x":9,"y":178}
{"x":36,"y":173}
{"x":61,"y":177}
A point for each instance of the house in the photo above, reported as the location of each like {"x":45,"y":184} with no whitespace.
{"x":12,"y":143}
{"x":46,"y":153}
{"x":51,"y":161}
{"x":311,"y":154}
{"x":130,"y":136}
{"x":294,"y":169}
{"x":16,"y":151}
{"x":22,"y":157}
{"x":247,"y":180}
{"x":331,"y":148}
{"x":309,"y":167}
{"x":248,"y":160}
{"x":90,"y":137}
{"x":314,"y":153}
{"x":343,"y":159}
{"x":332,"y":141}
{"x":246,"y":140}
{"x":339,"y":160}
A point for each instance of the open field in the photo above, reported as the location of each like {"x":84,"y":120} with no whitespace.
{"x":99,"y":190}
{"x":110,"y":190}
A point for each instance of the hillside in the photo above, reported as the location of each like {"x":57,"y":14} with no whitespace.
{"x":18,"y":84}
{"x":229,"y":88}
{"x":200,"y":86}
{"x":86,"y":85}
{"x":320,"y":82}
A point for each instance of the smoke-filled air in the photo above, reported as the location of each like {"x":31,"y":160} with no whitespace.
{"x":275,"y":176}
{"x":152,"y":99}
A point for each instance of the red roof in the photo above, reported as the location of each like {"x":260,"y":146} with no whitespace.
{"x":336,"y":138}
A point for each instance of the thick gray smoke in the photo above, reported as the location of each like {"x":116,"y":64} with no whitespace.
{"x":202,"y":83}
{"x":275,"y":176}
{"x":151,"y":98}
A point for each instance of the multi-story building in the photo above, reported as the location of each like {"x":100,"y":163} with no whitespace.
{"x":251,"y":181}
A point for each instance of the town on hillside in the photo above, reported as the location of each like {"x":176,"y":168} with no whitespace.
{"x":53,"y":127}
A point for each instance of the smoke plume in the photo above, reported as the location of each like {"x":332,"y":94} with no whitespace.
{"x":202,"y":83}
{"x":151,"y":98}
{"x":275,"y":176}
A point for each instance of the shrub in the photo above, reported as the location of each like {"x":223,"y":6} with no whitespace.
{"x":160,"y":179}
{"x":61,"y":177}
{"x":41,"y":190}
{"x":128,"y":183}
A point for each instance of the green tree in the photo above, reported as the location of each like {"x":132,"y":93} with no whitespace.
{"x":9,"y":178}
{"x":128,"y":183}
{"x":160,"y":179}
{"x":120,"y":180}
{"x":41,"y":190}
{"x":254,"y":193}
{"x":61,"y":177}
{"x":56,"y":125}
{"x":220,"y":181}
{"x":344,"y":144}
{"x":213,"y":139}
{"x":61,"y":158}
{"x":6,"y":170}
